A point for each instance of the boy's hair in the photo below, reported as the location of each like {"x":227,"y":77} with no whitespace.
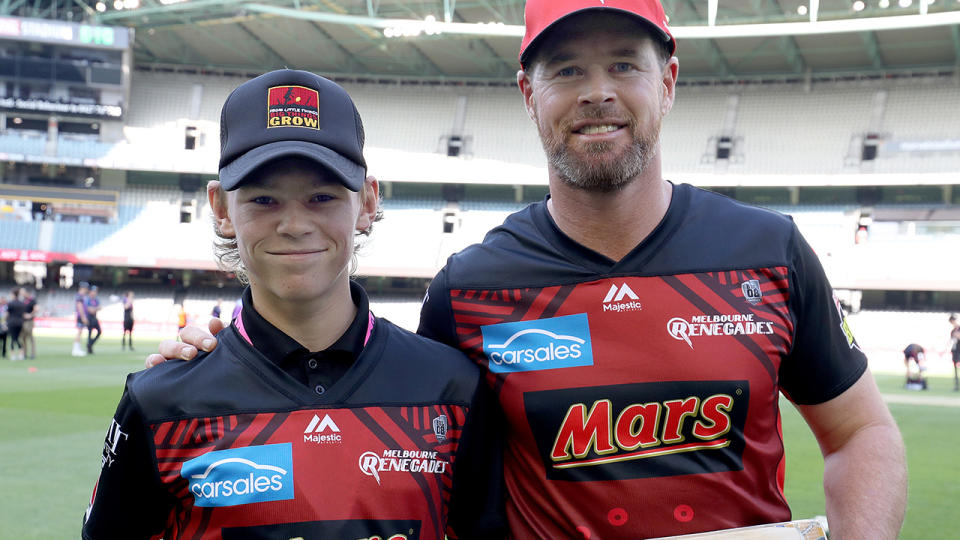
{"x":228,"y":254}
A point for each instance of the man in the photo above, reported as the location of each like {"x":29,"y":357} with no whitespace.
{"x":26,"y":334}
{"x":215,"y":312}
{"x":915,"y":362}
{"x":955,"y":350}
{"x":638,"y":333}
{"x":92,"y":306}
{"x":314,"y":418}
{"x":127,"y":320}
{"x":80,"y":308}
{"x":3,"y":327}
{"x":16,"y":315}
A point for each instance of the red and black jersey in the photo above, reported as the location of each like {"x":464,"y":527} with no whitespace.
{"x":402,"y":446}
{"x":642,"y":394}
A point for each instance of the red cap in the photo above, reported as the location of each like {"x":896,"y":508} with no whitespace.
{"x":540,"y":15}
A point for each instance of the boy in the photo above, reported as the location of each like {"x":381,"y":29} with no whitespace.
{"x":313,"y":419}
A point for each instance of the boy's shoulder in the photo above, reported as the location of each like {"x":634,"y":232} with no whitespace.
{"x":184,"y":388}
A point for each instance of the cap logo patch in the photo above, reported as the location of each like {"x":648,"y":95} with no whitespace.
{"x":293,"y":106}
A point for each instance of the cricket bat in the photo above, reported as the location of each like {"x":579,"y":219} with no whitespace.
{"x":803,"y":529}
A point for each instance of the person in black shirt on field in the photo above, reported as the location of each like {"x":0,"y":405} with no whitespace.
{"x":127,"y":320}
{"x":16,"y":310}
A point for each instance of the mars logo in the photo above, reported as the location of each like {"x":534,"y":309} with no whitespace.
{"x":558,"y":342}
{"x":751,"y":291}
{"x":621,"y":299}
{"x":680,"y":427}
{"x":293,"y":106}
{"x":316,"y":431}
{"x":241,"y":475}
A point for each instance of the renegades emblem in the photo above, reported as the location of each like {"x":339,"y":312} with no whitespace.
{"x":440,"y":428}
{"x":293,"y":106}
{"x":751,"y":291}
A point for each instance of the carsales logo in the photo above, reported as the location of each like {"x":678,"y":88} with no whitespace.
{"x":559,"y":342}
{"x":241,"y":475}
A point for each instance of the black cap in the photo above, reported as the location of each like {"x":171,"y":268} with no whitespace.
{"x":291,"y":113}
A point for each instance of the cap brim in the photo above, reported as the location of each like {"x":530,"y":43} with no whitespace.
{"x":344,"y":170}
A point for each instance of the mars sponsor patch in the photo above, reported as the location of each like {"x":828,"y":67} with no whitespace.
{"x":641,"y":430}
{"x":362,"y":529}
{"x":293,"y":106}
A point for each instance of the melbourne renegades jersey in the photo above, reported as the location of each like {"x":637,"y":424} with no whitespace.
{"x":642,"y":395}
{"x":231,"y":447}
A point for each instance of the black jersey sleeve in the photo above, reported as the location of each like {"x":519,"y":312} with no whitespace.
{"x":436,"y":315}
{"x":477,"y":509}
{"x":825,"y":359}
{"x":128,"y":501}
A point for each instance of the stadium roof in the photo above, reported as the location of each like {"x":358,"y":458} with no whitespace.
{"x":464,"y":40}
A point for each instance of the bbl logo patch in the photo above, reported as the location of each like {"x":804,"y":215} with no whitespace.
{"x":751,"y":291}
{"x":293,"y":106}
{"x":440,"y":427}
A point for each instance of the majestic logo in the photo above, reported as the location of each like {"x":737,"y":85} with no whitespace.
{"x":410,"y":461}
{"x":621,"y":299}
{"x":316,"y":431}
{"x":737,"y":324}
{"x":440,"y":427}
{"x":241,"y":475}
{"x":110,"y":444}
{"x":679,"y":427}
{"x":559,"y":342}
{"x":751,"y":291}
{"x":293,"y":106}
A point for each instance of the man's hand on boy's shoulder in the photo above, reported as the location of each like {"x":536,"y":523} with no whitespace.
{"x":192,"y":339}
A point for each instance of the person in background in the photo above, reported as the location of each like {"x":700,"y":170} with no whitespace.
{"x":237,"y":308}
{"x":181,"y":317}
{"x":955,"y":349}
{"x":93,"y":322}
{"x":915,"y":362}
{"x":3,"y":327}
{"x":80,"y":308}
{"x":215,"y":312}
{"x":127,"y":320}
{"x":16,"y":309}
{"x":26,"y":334}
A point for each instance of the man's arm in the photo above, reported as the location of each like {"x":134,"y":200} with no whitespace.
{"x":865,"y":472}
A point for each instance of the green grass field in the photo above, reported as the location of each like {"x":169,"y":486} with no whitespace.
{"x":54,"y":412}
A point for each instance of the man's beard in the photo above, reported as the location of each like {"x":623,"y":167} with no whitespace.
{"x":600,"y":171}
